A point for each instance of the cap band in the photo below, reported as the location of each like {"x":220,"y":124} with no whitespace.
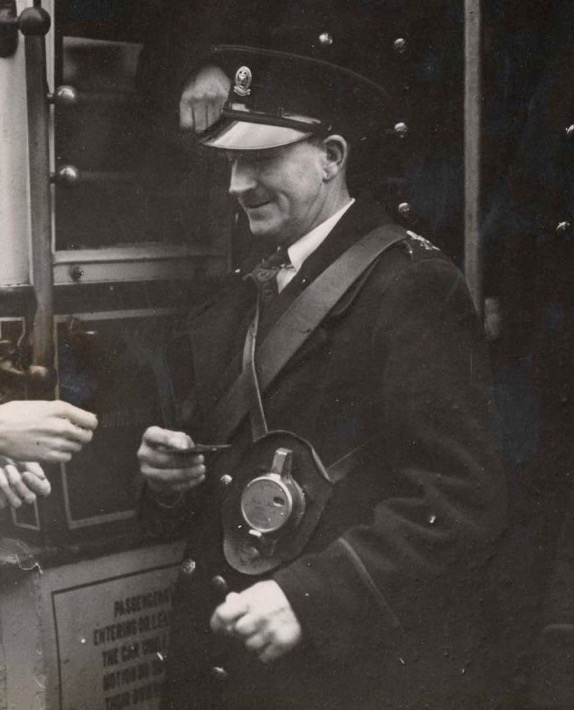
{"x":240,"y":112}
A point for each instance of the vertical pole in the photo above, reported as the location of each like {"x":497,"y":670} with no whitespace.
{"x":473,"y":257}
{"x":34,"y":24}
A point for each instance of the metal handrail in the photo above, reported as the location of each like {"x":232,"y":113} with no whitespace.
{"x":34,"y":23}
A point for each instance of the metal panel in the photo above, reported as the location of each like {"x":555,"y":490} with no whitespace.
{"x":58,"y":644}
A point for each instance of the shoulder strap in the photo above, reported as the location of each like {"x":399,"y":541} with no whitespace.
{"x":297,"y":323}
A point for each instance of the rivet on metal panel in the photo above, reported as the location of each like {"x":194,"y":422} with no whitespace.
{"x":400,"y":45}
{"x":563,"y":228}
{"x":326,"y":39}
{"x":401,"y":129}
{"x":405,"y":210}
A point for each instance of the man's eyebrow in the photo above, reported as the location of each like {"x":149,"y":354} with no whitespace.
{"x":254,"y":155}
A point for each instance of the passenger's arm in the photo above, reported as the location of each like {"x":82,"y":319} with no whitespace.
{"x":50,"y":432}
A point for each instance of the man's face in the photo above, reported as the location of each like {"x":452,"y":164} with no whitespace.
{"x":281,"y":190}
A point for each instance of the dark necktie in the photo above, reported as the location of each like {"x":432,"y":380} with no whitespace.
{"x":264,"y":274}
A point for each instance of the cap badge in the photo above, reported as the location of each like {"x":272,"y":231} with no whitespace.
{"x":243,"y":79}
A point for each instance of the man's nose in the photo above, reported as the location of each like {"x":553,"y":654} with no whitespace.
{"x":242,"y":179}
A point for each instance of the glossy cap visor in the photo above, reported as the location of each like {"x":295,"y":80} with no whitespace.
{"x":240,"y":135}
{"x":252,"y":132}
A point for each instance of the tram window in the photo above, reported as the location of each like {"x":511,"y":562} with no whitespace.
{"x":109,"y":366}
{"x":139,"y":180}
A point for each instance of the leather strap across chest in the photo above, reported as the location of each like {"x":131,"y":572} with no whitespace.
{"x":295,"y":326}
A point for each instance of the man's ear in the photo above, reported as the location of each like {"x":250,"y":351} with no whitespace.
{"x":336,"y":153}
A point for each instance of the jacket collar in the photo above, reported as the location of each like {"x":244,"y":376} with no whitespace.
{"x":362,"y":217}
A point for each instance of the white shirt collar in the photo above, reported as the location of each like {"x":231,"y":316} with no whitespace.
{"x":307,"y":244}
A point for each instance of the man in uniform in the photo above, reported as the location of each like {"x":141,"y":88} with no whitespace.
{"x":335,"y":550}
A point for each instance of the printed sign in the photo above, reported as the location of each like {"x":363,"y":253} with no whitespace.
{"x":112,"y":637}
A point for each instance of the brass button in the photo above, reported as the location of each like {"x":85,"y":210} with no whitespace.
{"x":326,"y":39}
{"x":219,"y":583}
{"x":187,"y":567}
{"x":226,"y":480}
{"x":219,"y":673}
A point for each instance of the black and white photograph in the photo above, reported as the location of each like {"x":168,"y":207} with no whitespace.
{"x":286,"y":354}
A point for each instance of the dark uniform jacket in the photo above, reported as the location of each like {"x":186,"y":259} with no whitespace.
{"x":388,"y":591}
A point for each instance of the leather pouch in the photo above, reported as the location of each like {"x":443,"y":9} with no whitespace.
{"x":251,"y":548}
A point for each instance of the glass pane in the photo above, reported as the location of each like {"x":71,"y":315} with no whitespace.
{"x":110,"y":369}
{"x":140,"y":181}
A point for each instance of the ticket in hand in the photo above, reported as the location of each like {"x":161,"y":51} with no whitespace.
{"x":205,"y":448}
{"x":196,"y":448}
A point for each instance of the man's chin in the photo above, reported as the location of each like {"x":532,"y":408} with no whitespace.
{"x":263,"y":229}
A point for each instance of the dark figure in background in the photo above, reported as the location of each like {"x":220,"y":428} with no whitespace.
{"x":370,"y":595}
{"x":529,"y":234}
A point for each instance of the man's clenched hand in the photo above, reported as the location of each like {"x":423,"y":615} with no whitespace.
{"x":262,"y":618}
{"x":202,"y":99}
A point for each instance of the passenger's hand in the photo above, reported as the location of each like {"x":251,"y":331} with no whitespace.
{"x":21,"y":482}
{"x":44,"y":431}
{"x":203,"y":98}
{"x":262,"y":618}
{"x":166,"y":462}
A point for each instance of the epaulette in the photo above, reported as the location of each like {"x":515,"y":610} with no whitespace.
{"x":419,"y":247}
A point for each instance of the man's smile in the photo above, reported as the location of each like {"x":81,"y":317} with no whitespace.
{"x":254,"y":204}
